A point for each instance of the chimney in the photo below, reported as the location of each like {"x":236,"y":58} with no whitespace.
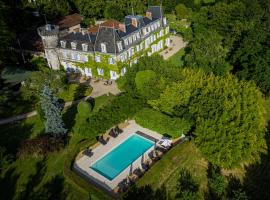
{"x":134,"y":22}
{"x":149,"y":15}
{"x":122,"y":27}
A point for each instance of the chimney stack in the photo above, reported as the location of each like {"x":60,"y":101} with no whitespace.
{"x":122,"y":27}
{"x":149,"y":15}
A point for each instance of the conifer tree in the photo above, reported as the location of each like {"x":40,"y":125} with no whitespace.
{"x":52,"y":113}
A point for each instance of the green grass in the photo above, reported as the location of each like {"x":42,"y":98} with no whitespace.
{"x":166,"y":171}
{"x":177,"y":59}
{"x":31,"y":173}
{"x":75,"y":91}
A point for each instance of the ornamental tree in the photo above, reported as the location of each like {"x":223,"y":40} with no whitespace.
{"x":52,"y":113}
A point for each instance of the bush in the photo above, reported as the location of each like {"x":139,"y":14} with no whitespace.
{"x":162,"y":123}
{"x":83,"y":113}
{"x":42,"y":144}
{"x":122,"y":107}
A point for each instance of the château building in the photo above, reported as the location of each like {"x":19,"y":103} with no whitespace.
{"x":106,"y":50}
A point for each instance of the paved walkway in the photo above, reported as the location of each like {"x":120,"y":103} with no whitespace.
{"x":82,"y":165}
{"x":99,"y":89}
{"x":177,"y":43}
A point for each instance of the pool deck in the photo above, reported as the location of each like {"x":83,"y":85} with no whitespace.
{"x":82,"y":165}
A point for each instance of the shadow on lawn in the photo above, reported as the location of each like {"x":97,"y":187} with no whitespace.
{"x":13,"y":134}
{"x":8,"y":184}
{"x":257,"y":180}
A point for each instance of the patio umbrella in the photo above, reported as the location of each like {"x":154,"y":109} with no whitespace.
{"x":131,"y":169}
{"x":166,"y":143}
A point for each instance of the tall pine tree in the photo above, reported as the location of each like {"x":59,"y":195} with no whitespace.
{"x":52,"y":112}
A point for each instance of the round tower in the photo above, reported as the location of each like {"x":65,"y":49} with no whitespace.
{"x":49,"y":34}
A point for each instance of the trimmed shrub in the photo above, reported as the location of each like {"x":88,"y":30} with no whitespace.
{"x":162,"y":123}
{"x":75,"y":91}
{"x":83,"y":113}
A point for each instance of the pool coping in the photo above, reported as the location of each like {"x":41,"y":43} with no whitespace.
{"x":82,"y":165}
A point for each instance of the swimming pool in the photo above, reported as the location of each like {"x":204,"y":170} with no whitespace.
{"x":122,"y":156}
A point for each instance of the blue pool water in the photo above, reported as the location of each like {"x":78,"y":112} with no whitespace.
{"x":122,"y":156}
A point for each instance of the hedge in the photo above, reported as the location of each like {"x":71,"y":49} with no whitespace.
{"x":121,"y":108}
{"x":162,"y":123}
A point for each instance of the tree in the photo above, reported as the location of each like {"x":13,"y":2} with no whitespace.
{"x":182,"y":11}
{"x":148,"y":84}
{"x":229,"y":115}
{"x":6,"y":35}
{"x":114,"y":11}
{"x":208,"y":53}
{"x":91,"y":9}
{"x":186,"y":186}
{"x":52,"y":113}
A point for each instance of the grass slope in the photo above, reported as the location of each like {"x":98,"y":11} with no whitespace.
{"x":31,"y":173}
{"x":166,"y":171}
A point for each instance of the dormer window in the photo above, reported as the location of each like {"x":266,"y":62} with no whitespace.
{"x":126,"y":42}
{"x":73,"y":45}
{"x":84,"y":47}
{"x":119,"y":45}
{"x":63,"y":43}
{"x":103,"y":48}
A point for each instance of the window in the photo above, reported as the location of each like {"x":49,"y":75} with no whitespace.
{"x":130,"y":40}
{"x":97,"y":58}
{"x":158,"y":24}
{"x":100,"y":71}
{"x":88,"y":71}
{"x":78,"y":56}
{"x":73,"y":56}
{"x":65,"y":55}
{"x":73,"y":45}
{"x":164,"y":21}
{"x":134,"y":37}
{"x":154,"y":37}
{"x":123,"y":71}
{"x":126,"y":42}
{"x":122,"y":58}
{"x":111,"y":61}
{"x":63,"y":43}
{"x":113,"y":75}
{"x":84,"y":47}
{"x":119,"y":44}
{"x":103,"y":48}
{"x":85,"y":58}
{"x":138,"y":35}
{"x":152,"y":27}
{"x":138,"y":48}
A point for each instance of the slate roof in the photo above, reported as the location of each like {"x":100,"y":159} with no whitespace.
{"x":80,"y":39}
{"x":110,"y":37}
{"x":109,"y":33}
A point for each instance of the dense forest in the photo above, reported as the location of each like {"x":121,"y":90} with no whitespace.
{"x":218,"y":96}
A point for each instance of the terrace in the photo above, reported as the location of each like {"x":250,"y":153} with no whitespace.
{"x":86,"y":159}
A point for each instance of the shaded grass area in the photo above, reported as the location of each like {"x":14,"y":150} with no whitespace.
{"x":166,"y":172}
{"x":50,"y":177}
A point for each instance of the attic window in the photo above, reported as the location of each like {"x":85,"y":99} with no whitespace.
{"x":103,"y":48}
{"x":63,"y":43}
{"x":73,"y":45}
{"x":84,"y":47}
{"x":119,"y":44}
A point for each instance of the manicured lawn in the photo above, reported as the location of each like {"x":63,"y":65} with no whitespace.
{"x":177,"y":59}
{"x":31,"y":173}
{"x":75,"y":91}
{"x":166,"y":171}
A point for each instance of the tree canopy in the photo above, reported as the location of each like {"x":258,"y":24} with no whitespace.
{"x":229,"y":115}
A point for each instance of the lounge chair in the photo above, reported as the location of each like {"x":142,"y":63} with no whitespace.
{"x":113,"y":133}
{"x":101,"y":140}
{"x":88,"y":152}
{"x":118,"y":130}
{"x":138,"y":172}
